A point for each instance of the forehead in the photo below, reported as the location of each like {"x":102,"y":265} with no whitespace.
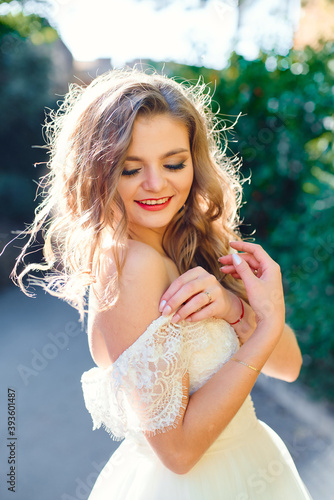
{"x":158,"y":134}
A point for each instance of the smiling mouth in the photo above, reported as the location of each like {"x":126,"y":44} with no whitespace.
{"x":154,"y":204}
{"x":159,"y":201}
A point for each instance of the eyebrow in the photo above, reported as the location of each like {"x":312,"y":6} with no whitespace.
{"x":166,"y":155}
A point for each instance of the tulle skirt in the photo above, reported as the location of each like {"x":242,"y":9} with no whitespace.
{"x":251,"y":465}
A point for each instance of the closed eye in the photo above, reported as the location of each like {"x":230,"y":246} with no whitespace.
{"x":131,"y":172}
{"x":179,"y":166}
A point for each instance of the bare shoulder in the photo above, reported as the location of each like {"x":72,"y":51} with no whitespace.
{"x":139,"y":259}
{"x":143,"y":280}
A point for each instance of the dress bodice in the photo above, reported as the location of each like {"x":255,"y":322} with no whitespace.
{"x":142,"y":390}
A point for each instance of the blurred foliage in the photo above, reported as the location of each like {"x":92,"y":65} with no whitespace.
{"x":24,"y":92}
{"x":25,"y":83}
{"x":285,"y":138}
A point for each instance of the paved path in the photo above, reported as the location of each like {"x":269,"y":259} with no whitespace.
{"x":43,"y":354}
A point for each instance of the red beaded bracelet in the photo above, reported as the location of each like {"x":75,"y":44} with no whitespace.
{"x":242,"y":312}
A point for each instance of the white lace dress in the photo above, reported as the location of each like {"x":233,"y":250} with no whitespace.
{"x":142,"y":391}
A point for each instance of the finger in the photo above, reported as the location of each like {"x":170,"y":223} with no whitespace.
{"x":205,"y":313}
{"x":265,"y":261}
{"x":243,"y":269}
{"x":177,"y":285}
{"x":231,"y":270}
{"x":198,"y":302}
{"x":250,"y":259}
{"x":187,"y":292}
{"x":228,"y":269}
{"x":253,"y":248}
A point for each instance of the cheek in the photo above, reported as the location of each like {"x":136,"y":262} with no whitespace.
{"x":125,"y":190}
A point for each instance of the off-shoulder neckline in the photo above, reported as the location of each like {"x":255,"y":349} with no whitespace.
{"x":163,"y":320}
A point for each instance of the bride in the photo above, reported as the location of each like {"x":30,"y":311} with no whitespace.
{"x":182,"y":314}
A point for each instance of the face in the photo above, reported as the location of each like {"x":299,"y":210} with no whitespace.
{"x":157,"y":176}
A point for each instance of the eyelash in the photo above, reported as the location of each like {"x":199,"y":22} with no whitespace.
{"x":179,"y":166}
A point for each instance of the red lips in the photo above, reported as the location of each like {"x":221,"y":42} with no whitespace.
{"x":154,"y":207}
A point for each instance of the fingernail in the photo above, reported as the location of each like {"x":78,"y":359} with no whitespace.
{"x":162,"y":305}
{"x":236,"y":259}
{"x":223,"y":268}
{"x":176,"y":318}
{"x":167,"y":311}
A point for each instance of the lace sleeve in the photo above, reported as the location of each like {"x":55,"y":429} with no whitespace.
{"x":143,"y":389}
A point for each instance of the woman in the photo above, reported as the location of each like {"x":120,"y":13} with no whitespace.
{"x":143,"y":205}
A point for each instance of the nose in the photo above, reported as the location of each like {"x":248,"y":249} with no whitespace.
{"x":154,"y":179}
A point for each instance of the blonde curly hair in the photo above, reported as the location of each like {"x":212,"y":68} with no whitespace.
{"x":88,"y":138}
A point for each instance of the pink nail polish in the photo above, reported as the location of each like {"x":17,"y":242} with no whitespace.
{"x":167,"y":310}
{"x":162,"y":305}
{"x":236,"y":259}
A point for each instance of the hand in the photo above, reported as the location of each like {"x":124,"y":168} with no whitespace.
{"x":228,"y":263}
{"x":262,"y":278}
{"x":196,"y":295}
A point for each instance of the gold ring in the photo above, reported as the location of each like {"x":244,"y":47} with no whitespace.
{"x":209,"y":296}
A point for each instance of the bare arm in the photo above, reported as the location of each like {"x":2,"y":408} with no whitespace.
{"x":286,"y":360}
